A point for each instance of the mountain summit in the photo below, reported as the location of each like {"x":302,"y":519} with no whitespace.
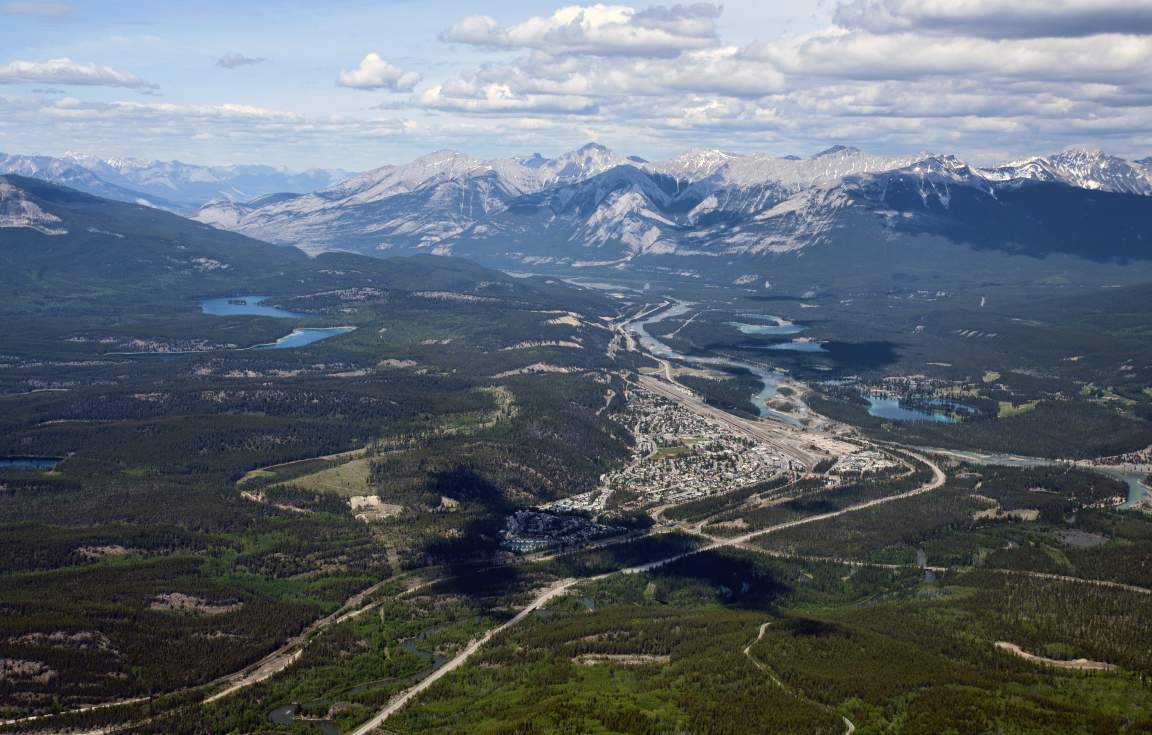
{"x":595,"y":205}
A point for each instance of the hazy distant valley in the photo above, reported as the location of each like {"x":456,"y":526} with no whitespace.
{"x":843,"y":444}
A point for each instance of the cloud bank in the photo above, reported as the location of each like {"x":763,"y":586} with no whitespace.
{"x":66,"y":71}
{"x":42,"y":9}
{"x":926,"y":72}
{"x":606,"y":30}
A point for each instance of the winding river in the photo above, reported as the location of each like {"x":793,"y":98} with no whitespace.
{"x":1137,"y":491}
{"x":771,"y":379}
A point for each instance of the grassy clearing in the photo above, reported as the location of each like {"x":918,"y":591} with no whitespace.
{"x":671,"y":452}
{"x":1007,"y":408}
{"x":350,"y":478}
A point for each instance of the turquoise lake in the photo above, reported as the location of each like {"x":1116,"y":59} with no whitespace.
{"x":302,"y":337}
{"x":246,"y":306}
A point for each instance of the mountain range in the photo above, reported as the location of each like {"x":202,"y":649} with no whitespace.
{"x":63,"y":251}
{"x":172,"y":185}
{"x":597,"y":207}
{"x":739,"y":218}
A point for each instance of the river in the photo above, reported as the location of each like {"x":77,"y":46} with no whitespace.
{"x":1137,"y":492}
{"x":771,"y":379}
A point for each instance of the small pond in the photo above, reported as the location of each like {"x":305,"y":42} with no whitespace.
{"x":889,"y":407}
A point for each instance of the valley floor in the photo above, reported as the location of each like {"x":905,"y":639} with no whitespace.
{"x":756,"y":575}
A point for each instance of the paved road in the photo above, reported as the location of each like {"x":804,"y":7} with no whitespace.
{"x":78,"y":710}
{"x":995,"y":570}
{"x":461,"y":658}
{"x":564,"y":585}
{"x":783,"y":438}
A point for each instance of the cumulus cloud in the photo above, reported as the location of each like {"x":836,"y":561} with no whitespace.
{"x":914,"y":72}
{"x":235,"y":60}
{"x":242,"y":126}
{"x":493,"y":98}
{"x":859,"y":55}
{"x":43,"y":9}
{"x":66,"y":71}
{"x":999,"y":19}
{"x":597,"y":29}
{"x":375,"y":73}
{"x":951,"y":75}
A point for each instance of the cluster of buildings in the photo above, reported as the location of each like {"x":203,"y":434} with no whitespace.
{"x":863,"y":462}
{"x":534,"y":530}
{"x":680,"y":456}
{"x":853,"y":465}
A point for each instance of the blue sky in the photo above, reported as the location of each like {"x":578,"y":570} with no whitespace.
{"x":359,"y":84}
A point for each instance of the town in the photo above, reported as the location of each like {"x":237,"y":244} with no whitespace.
{"x":679,"y":456}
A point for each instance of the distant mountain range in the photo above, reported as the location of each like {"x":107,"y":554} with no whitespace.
{"x":62,"y":251}
{"x":832,"y":216}
{"x":171,"y":185}
{"x":595,"y":206}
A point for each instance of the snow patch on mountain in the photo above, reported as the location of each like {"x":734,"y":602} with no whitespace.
{"x":1084,"y":169}
{"x":16,"y":210}
{"x":703,"y":202}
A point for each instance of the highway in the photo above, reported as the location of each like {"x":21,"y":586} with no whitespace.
{"x":562,"y":586}
{"x":788,"y":440}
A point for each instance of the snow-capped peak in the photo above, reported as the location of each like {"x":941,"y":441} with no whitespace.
{"x":584,"y":162}
{"x":698,"y":163}
{"x":837,"y":150}
{"x":826,"y":168}
{"x":1082,"y":168}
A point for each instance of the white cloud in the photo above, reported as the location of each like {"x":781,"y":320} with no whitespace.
{"x":472,"y":96}
{"x":43,"y":9}
{"x":947,"y":75}
{"x":241,"y":126}
{"x":598,"y":29}
{"x":235,"y":60}
{"x":999,"y":18}
{"x":375,"y":73}
{"x":66,"y":71}
{"x":860,"y":55}
{"x":887,"y":73}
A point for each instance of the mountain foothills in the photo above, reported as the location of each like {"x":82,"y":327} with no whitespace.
{"x":722,"y":214}
{"x":747,"y":445}
{"x":170,"y":543}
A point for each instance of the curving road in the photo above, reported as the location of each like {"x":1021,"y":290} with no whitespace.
{"x":786,"y":439}
{"x":461,"y":658}
{"x":564,"y":585}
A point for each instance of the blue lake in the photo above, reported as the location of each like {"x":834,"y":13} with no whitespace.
{"x":28,"y":463}
{"x":246,"y":306}
{"x":887,"y":407}
{"x":302,"y":337}
{"x":252,"y":306}
{"x":782,"y":326}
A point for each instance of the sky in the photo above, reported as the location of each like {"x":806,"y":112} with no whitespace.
{"x":355,"y":85}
